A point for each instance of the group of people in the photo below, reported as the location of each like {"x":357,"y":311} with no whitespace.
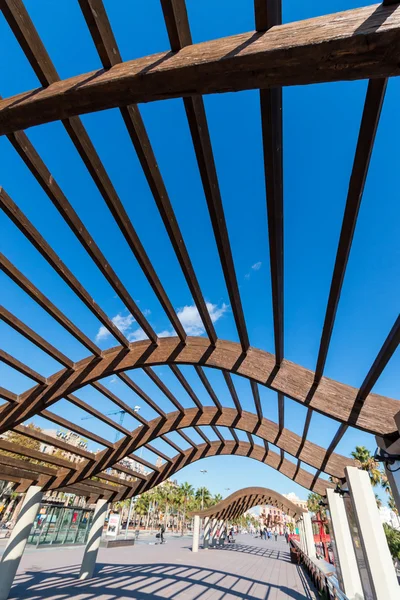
{"x":265,"y":534}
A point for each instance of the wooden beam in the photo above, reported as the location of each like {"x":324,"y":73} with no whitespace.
{"x":103,"y":37}
{"x":32,"y":234}
{"x":19,"y":366}
{"x":35,"y":434}
{"x":185,"y":384}
{"x":331,"y":398}
{"x":138,"y":390}
{"x":208,"y":386}
{"x":177,"y":23}
{"x":34,"y":337}
{"x":368,"y":128}
{"x":232,"y":391}
{"x":165,"y":390}
{"x":359,"y":41}
{"x":27,"y":286}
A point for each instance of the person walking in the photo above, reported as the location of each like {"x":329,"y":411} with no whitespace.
{"x":162,"y":531}
{"x":276,"y":536}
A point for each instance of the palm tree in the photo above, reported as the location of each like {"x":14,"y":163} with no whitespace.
{"x":203,"y":496}
{"x":367,"y":463}
{"x":186,"y":492}
{"x":378,"y":501}
{"x":215,"y":499}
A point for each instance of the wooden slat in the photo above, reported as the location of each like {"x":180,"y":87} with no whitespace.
{"x":39,"y":170}
{"x":28,"y":37}
{"x":305,"y":429}
{"x":7,"y":395}
{"x":32,"y":234}
{"x":134,"y":387}
{"x":232,"y":391}
{"x":218,"y":433}
{"x":120,"y":403}
{"x":21,"y":367}
{"x":54,"y":441}
{"x":165,"y":390}
{"x":76,"y":428}
{"x":369,"y":125}
{"x":158,"y":453}
{"x":34,"y":337}
{"x":234,"y":435}
{"x":185,"y":384}
{"x":281,"y":410}
{"x":240,"y":62}
{"x":179,"y":36}
{"x":96,"y":413}
{"x":250,"y":438}
{"x":28,"y":287}
{"x":201,"y":434}
{"x":256,"y":397}
{"x":385,"y":354}
{"x":100,"y":28}
{"x":36,"y":454}
{"x":144,"y":462}
{"x":187,"y":439}
{"x":331,"y":448}
{"x":268,"y":13}
{"x":208,"y":386}
{"x":171,"y":443}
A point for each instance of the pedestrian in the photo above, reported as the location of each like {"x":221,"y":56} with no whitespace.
{"x":162,"y":531}
{"x":276,"y":536}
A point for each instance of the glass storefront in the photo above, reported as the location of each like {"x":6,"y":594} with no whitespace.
{"x":55,"y":524}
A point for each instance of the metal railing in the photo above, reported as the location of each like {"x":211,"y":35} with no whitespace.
{"x":326,"y":583}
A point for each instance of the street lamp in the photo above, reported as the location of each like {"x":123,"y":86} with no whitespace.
{"x":204,"y":471}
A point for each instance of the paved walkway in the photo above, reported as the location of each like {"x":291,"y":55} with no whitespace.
{"x":251,"y":569}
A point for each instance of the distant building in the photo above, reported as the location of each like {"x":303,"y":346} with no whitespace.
{"x":389,"y":517}
{"x":70,"y":437}
{"x":296,"y":500}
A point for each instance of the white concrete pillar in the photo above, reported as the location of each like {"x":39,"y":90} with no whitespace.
{"x":308,"y":535}
{"x":378,"y":576}
{"x":196,"y":533}
{"x":341,"y":541}
{"x":207,"y":528}
{"x":213,"y":531}
{"x":19,"y":536}
{"x":301,"y":534}
{"x":93,"y":543}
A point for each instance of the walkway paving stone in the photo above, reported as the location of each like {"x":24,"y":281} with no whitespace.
{"x":252,"y":568}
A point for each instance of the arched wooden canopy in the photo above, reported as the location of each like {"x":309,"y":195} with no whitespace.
{"x":241,"y":501}
{"x":363,"y":43}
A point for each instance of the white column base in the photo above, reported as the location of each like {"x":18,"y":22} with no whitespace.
{"x":17,"y":542}
{"x":93,"y":543}
{"x":196,"y":533}
{"x":347,"y":568}
{"x":378,"y":561}
{"x":308,"y":535}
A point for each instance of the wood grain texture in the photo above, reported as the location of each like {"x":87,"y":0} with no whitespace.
{"x":356,"y":44}
{"x":247,"y":498}
{"x":330,"y":397}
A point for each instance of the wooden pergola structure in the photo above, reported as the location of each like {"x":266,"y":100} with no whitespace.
{"x":359,"y":44}
{"x":238,"y":503}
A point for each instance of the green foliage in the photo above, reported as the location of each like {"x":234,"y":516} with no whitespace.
{"x":313,"y":506}
{"x":393,"y":540}
{"x":366,"y":462}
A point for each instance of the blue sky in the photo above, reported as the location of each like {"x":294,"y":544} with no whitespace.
{"x":320,"y":131}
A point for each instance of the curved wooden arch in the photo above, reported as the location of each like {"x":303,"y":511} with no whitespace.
{"x":230,"y":448}
{"x":306,"y":451}
{"x":242,"y":500}
{"x":329,"y":397}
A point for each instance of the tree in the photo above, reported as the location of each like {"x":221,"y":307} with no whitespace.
{"x":393,"y":540}
{"x":22,"y":440}
{"x":203,"y":496}
{"x":367,"y":463}
{"x":313,"y":505}
{"x":186,"y":492}
{"x":378,"y":501}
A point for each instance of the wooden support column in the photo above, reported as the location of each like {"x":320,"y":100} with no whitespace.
{"x":19,"y":537}
{"x":93,"y":543}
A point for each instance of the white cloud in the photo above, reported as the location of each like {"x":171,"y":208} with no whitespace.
{"x":191,"y":321}
{"x":256,"y":267}
{"x":122,"y":322}
{"x":136,"y":335}
{"x":113,"y":380}
{"x":188,"y":316}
